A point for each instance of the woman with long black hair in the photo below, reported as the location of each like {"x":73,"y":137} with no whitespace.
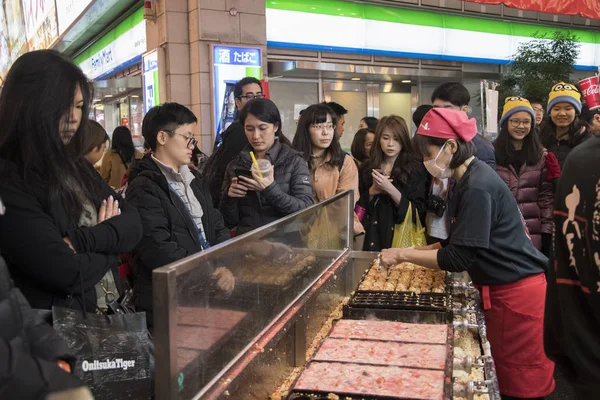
{"x":64,"y":227}
{"x":392,"y":180}
{"x":117,"y":161}
{"x":562,"y":130}
{"x":527,"y":169}
{"x":332,"y":171}
{"x":251,"y":201}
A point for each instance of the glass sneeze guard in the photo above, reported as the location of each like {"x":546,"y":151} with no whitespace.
{"x":202,"y":335}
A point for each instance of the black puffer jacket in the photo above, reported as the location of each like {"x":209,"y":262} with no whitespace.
{"x":42,"y":265}
{"x":290,"y":192}
{"x":562,"y":148}
{"x":170,"y":233}
{"x":29,"y":348}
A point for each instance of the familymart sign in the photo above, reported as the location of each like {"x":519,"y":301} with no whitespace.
{"x":120,"y":47}
{"x":345,"y":26}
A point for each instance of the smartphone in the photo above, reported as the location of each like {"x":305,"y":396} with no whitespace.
{"x":243,"y":172}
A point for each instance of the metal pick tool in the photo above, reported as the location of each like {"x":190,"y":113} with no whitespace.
{"x":378,"y":262}
{"x":379,"y":267}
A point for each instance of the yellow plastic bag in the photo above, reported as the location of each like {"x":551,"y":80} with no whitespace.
{"x":322,"y":234}
{"x":409,"y":234}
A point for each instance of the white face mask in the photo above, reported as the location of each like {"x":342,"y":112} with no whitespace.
{"x":435,"y":170}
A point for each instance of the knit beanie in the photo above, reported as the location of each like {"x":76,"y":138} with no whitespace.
{"x":445,"y":123}
{"x":513,"y":105}
{"x":564,"y":93}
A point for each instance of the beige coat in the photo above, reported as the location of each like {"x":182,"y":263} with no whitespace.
{"x":327,"y":181}
{"x":113,"y":169}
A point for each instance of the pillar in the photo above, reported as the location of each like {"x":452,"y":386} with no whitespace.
{"x":185,"y":29}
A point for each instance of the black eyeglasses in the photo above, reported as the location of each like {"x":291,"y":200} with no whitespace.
{"x":191,"y":140}
{"x":516,"y":123}
{"x":251,"y":96}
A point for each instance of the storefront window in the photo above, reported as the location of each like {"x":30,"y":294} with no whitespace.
{"x":136,"y":115}
{"x":124,"y":112}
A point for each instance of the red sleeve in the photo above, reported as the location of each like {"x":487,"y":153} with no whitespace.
{"x":552,"y":165}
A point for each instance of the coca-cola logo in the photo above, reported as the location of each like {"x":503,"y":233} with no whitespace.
{"x":592,"y":90}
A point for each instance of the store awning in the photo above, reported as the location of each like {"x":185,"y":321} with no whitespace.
{"x":93,"y":22}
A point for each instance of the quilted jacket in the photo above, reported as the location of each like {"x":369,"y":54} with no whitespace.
{"x":291,"y":191}
{"x":534,"y":191}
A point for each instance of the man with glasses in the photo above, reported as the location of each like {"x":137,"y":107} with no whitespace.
{"x":174,"y":202}
{"x":539,"y":111}
{"x":234,"y":138}
{"x":244,"y":90}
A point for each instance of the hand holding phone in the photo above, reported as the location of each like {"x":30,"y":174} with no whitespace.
{"x":236,"y":189}
{"x":242,"y":172}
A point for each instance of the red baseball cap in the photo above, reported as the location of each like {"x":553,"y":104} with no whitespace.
{"x":446,"y":123}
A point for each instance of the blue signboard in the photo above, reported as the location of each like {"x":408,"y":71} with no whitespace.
{"x":230,"y":64}
{"x":237,"y":56}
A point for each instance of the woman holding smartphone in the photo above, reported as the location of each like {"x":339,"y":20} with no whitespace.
{"x":392,"y":180}
{"x":251,"y":200}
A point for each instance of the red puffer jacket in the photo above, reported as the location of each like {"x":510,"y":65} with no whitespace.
{"x":534,"y":191}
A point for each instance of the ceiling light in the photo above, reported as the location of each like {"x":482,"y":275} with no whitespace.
{"x":135,"y":96}
{"x":108,"y":95}
{"x":356,"y":78}
{"x":406,"y":81}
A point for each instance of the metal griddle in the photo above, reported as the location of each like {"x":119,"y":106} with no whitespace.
{"x":318,"y":395}
{"x":426,"y":307}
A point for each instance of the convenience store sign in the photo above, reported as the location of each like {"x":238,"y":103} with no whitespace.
{"x":335,"y":25}
{"x":123,"y":45}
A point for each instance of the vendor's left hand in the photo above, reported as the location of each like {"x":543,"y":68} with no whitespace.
{"x":258,"y":184}
{"x":226,"y":281}
{"x":391,"y":257}
{"x":384,"y":183}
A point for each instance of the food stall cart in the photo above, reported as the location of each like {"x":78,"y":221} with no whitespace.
{"x":294,"y":319}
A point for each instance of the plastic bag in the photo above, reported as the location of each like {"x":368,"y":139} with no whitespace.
{"x":322,"y":234}
{"x":409,"y":234}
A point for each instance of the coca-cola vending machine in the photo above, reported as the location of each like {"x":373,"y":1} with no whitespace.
{"x":590,"y":91}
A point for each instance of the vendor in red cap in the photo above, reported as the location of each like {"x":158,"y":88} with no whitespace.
{"x":488,"y":238}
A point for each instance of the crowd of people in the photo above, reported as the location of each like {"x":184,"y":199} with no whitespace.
{"x":489,"y":209}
